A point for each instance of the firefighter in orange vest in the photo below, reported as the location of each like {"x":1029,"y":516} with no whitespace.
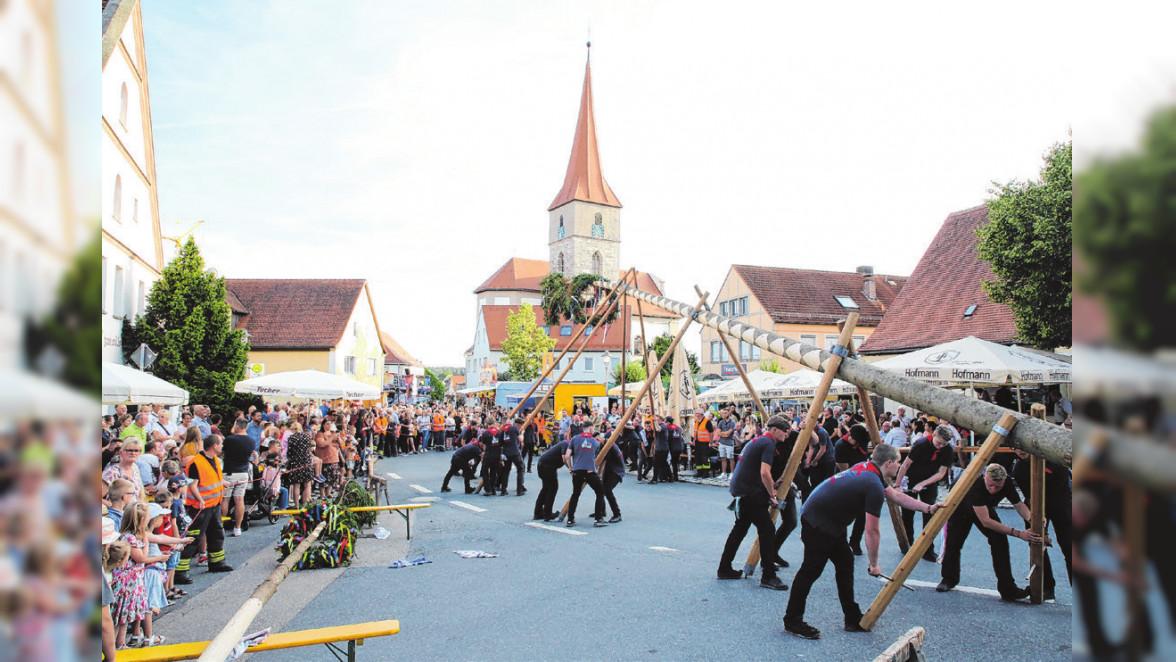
{"x":203,"y":505}
{"x":704,"y":431}
{"x":437,"y":437}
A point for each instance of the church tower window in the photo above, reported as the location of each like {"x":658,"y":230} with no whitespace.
{"x":559,"y":264}
{"x":596,"y":264}
{"x":598,"y":228}
{"x":560,"y":232}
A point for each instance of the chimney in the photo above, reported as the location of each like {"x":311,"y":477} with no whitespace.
{"x":868,"y":287}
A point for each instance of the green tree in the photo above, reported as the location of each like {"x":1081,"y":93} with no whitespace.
{"x":525,"y":344}
{"x":74,"y":328}
{"x":771,"y":365}
{"x":634,"y":373}
{"x":188,"y":324}
{"x":1125,"y":208}
{"x":661,"y":344}
{"x":1028,"y":242}
{"x":438,"y":392}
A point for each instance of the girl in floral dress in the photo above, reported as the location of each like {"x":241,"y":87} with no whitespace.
{"x":130,"y":592}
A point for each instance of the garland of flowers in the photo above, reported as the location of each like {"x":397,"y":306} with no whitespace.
{"x":336,"y":543}
{"x":571,"y":300}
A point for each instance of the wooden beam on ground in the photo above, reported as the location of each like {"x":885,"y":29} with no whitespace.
{"x":631,"y":409}
{"x":906,"y":649}
{"x":1036,"y":437}
{"x":225,"y":640}
{"x":954,"y":498}
{"x":1037,"y":523}
{"x":810,"y":425}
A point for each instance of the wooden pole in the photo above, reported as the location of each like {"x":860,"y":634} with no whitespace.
{"x":923,"y":542}
{"x":558,"y":380}
{"x":364,"y":509}
{"x":810,"y":424}
{"x":547,"y":371}
{"x":600,"y":456}
{"x":900,"y":533}
{"x":1053,"y":442}
{"x":1037,"y":522}
{"x":645,"y":353}
{"x":221,"y":645}
{"x":1088,"y":455}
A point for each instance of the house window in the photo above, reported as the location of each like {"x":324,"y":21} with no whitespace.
{"x":501,"y":301}
{"x":846,"y":302}
{"x":546,"y":329}
{"x":142,"y":299}
{"x":355,"y":329}
{"x":119,"y":296}
{"x":559,"y":260}
{"x":808,"y":338}
{"x":587,"y":364}
{"x":117,"y":197}
{"x":371,"y":367}
{"x":743,"y":305}
{"x":756,"y":352}
{"x":723,"y":308}
{"x":716,"y":354}
{"x":857,"y":341}
{"x":565,"y":330}
{"x":588,"y":331}
{"x":349,"y":365}
{"x":596,"y":263}
{"x":124,"y":97}
{"x":969,"y":310}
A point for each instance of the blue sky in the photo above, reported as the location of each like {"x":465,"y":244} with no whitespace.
{"x":418,"y":144}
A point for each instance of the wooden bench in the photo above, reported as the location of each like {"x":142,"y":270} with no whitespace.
{"x":329,"y":637}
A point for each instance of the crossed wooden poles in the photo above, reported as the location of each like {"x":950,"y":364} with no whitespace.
{"x":1037,"y":437}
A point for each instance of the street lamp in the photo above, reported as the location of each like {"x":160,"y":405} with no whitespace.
{"x":607,"y":359}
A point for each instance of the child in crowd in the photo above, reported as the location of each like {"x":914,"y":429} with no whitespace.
{"x":118,"y":495}
{"x":174,"y":522}
{"x":115,"y":554}
{"x":271,"y":478}
{"x":349,"y":457}
{"x":130,"y":590}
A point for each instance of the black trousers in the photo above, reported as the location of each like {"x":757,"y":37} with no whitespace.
{"x":752,"y":510}
{"x":644,"y":463}
{"x":205,"y":523}
{"x":675,"y":460}
{"x":928,"y":496}
{"x":611,"y":480}
{"x":816,"y":475}
{"x":661,"y":467}
{"x":1062,"y":527}
{"x":1088,"y":597}
{"x":529,"y":452}
{"x":504,"y":475}
{"x":819,"y":549}
{"x":579,"y":478}
{"x":958,"y":528}
{"x":464,"y":469}
{"x":546,"y":499}
{"x":787,"y":519}
{"x":491,"y":469}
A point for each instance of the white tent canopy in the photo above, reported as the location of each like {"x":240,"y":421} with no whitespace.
{"x":975,"y":361}
{"x":802,"y":384}
{"x":24,"y":395}
{"x":308,"y":384}
{"x":734,"y":390}
{"x":124,"y":385}
{"x":1112,"y":373}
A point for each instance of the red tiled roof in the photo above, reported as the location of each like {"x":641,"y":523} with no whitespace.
{"x":584,"y":179}
{"x":948,"y":279}
{"x":602,"y":339}
{"x":806,"y":296}
{"x":234,"y":303}
{"x":523,"y":275}
{"x":294,"y":313}
{"x":394,"y":353}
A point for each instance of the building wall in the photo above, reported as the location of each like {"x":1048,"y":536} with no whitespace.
{"x":287,"y":360}
{"x":361,"y":339}
{"x":578,"y":243}
{"x":734,"y":288}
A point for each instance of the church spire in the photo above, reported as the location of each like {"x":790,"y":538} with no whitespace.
{"x":584,"y":179}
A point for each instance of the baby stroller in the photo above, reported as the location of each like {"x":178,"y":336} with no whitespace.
{"x":260,"y":500}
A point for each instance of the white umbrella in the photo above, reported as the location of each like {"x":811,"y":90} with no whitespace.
{"x":803,"y":384}
{"x":24,"y":395}
{"x":734,"y":390}
{"x":308,"y":384}
{"x":975,"y":361}
{"x":124,"y":385}
{"x":1112,"y":373}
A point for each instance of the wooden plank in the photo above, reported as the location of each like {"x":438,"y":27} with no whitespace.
{"x":276,"y":641}
{"x":923,"y":542}
{"x":1037,"y":522}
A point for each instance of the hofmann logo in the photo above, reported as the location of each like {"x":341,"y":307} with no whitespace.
{"x":922,"y":373}
{"x":1060,"y":375}
{"x":1031,"y":376}
{"x":971,"y":375}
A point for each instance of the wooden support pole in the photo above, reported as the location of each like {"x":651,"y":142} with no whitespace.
{"x":1088,"y":454}
{"x":810,"y":424}
{"x":645,"y":354}
{"x":954,"y":498}
{"x":613,"y":298}
{"x":632,"y":409}
{"x":563,"y":373}
{"x":1037,"y":522}
{"x":225,"y":640}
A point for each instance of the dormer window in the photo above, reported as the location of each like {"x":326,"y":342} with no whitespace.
{"x":846,"y":302}
{"x":969,"y":311}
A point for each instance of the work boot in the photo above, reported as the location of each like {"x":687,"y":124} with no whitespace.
{"x":182,"y":577}
{"x":614,"y":519}
{"x":773,"y":583}
{"x":446,"y":489}
{"x":730,"y":573}
{"x":854,"y":626}
{"x":521,"y":491}
{"x":802,"y":630}
{"x":220,"y":567}
{"x":944,"y":587}
{"x":1016,"y":594}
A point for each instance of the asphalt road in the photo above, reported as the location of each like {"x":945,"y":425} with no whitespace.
{"x":644,"y":588}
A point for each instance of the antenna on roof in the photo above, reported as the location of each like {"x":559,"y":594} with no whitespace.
{"x":589,"y":44}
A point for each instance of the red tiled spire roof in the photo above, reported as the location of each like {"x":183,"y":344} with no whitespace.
{"x":584,"y":179}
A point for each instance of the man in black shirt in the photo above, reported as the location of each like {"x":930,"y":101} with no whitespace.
{"x":661,"y":451}
{"x":464,"y":461}
{"x":754,"y":490}
{"x":491,"y":444}
{"x":925,"y":465}
{"x":848,"y":451}
{"x":674,"y":435}
{"x":512,"y":455}
{"x":979,"y":508}
{"x":238,"y":454}
{"x":548,"y":467}
{"x":818,"y":461}
{"x":530,"y":439}
{"x":614,"y":473}
{"x":1058,"y":510}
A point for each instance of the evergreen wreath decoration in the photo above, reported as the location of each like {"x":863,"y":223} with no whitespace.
{"x":574,"y":300}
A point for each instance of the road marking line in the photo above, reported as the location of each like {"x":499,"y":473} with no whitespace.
{"x":463,"y":504}
{"x":394,"y":476}
{"x":962,"y":589}
{"x":420,"y":488}
{"x":557,"y":529}
{"x":670,"y":550}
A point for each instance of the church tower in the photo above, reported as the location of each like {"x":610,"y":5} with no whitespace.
{"x":584,"y":233}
